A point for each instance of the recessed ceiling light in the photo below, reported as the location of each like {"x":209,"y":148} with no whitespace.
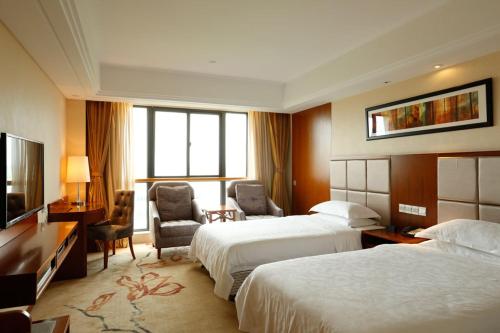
{"x":386,"y":82}
{"x":438,"y":66}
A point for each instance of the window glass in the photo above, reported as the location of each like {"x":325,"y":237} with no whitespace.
{"x":207,"y":192}
{"x":170,"y":144}
{"x":171,"y":131}
{"x":204,"y":144}
{"x":236,"y":144}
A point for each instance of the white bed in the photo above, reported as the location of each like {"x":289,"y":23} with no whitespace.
{"x":230,"y":251}
{"x":430,"y":287}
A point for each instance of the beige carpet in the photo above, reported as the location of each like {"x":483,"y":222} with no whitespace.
{"x":145,"y":295}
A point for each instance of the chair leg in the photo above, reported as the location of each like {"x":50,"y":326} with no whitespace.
{"x":159,"y":252}
{"x":114,"y":247}
{"x":106,"y":250}
{"x":131,"y":246}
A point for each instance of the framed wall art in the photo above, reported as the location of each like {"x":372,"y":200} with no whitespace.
{"x":462,"y":107}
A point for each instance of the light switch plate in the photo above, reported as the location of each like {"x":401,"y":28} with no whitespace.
{"x":422,"y":211}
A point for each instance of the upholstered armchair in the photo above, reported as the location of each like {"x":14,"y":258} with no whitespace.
{"x":174,"y":214}
{"x":251,"y":202}
{"x":120,"y":224}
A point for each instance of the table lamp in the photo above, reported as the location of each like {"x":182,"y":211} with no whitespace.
{"x":78,"y":172}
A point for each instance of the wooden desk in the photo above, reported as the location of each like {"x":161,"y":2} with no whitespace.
{"x":220,"y":213}
{"x":76,"y":265}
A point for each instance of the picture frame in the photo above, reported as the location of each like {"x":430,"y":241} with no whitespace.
{"x":457,"y":108}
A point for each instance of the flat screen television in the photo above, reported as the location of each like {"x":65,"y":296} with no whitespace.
{"x":21,"y":179}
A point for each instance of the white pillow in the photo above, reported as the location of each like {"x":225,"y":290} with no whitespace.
{"x":353,"y":223}
{"x":345,"y":209}
{"x":479,"y":235}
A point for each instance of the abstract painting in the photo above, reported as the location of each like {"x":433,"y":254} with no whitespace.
{"x":462,"y":107}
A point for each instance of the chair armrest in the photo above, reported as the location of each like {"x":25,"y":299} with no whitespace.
{"x":273,"y":209}
{"x":240,"y":214}
{"x":154,"y":220}
{"x":198,"y":214}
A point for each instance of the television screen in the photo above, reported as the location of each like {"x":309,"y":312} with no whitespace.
{"x":21,"y":179}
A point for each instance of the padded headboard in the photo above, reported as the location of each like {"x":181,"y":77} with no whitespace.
{"x":364,"y":181}
{"x":469,"y":187}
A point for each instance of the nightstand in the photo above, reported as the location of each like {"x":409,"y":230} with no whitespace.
{"x":371,"y":238}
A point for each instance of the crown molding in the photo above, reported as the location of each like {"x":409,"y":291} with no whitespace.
{"x":71,"y":14}
{"x":457,"y":51}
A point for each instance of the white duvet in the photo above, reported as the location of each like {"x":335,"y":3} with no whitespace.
{"x":225,"y":248}
{"x":391,"y":288}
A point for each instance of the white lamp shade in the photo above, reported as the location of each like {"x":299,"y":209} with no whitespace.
{"x":78,"y":169}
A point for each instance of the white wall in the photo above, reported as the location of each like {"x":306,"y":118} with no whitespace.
{"x":32,"y":107}
{"x":348,"y":115}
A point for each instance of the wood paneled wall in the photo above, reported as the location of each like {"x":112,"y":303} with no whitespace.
{"x":414,"y":182}
{"x":311,"y":139}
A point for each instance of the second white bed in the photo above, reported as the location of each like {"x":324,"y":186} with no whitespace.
{"x":226,"y":248}
{"x":431,"y":287}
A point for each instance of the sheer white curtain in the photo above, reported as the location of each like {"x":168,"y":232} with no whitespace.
{"x":119,"y":167}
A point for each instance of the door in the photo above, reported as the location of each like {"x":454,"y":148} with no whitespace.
{"x":311,"y":140}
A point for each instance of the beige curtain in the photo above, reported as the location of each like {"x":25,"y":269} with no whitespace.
{"x":119,"y":166}
{"x":260,"y":160}
{"x":279,"y":130}
{"x":99,"y":117}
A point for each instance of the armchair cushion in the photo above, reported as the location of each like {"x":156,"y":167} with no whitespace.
{"x":178,"y":228}
{"x":252,"y":199}
{"x":174,"y":203}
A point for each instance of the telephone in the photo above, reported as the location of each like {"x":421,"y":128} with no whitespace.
{"x":410,"y":231}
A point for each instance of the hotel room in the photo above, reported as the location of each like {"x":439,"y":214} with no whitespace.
{"x":260,"y":166}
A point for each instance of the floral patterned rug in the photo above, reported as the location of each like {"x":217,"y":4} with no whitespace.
{"x":145,"y":295}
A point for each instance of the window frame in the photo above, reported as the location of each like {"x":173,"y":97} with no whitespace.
{"x":151,"y":142}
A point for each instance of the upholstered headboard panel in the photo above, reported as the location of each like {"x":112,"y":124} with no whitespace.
{"x":365,"y":181}
{"x":469,"y":187}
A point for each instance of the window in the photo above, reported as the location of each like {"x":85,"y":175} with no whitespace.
{"x":172,"y":143}
{"x":204,"y":144}
{"x":236,"y":144}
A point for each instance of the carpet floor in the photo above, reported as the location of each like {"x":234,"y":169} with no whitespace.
{"x":145,"y":295}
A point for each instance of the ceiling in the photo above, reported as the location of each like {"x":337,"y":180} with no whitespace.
{"x":278,"y":55}
{"x":270,"y":40}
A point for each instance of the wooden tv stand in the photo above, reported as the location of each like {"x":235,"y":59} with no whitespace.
{"x":28,"y":263}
